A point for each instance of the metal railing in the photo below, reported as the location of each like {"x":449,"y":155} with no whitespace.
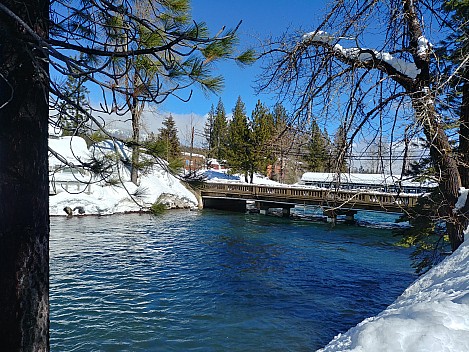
{"x":356,"y":199}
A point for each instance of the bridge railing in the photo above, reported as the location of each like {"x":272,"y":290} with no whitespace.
{"x":327,"y":197}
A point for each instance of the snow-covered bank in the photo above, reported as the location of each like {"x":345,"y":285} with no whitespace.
{"x":86,"y":194}
{"x":431,"y":315}
{"x":159,"y":186}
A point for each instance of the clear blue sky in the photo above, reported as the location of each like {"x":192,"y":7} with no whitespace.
{"x":261,"y":19}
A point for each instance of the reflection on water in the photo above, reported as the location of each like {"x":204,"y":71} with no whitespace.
{"x":210,"y":281}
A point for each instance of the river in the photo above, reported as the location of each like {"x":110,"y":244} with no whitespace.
{"x":214,"y":281}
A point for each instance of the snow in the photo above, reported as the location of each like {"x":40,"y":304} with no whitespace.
{"x":424,"y":46}
{"x":223,"y":176}
{"x":462,"y":198}
{"x":359,"y":178}
{"x":70,"y":148}
{"x":82,"y":190}
{"x":431,"y":315}
{"x":408,"y":69}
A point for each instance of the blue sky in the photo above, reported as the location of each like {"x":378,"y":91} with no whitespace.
{"x":261,"y":19}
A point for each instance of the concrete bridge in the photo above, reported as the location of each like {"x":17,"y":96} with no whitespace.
{"x":232,"y":196}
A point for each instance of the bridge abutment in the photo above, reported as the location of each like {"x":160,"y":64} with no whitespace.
{"x":265,"y":206}
{"x":229,"y":204}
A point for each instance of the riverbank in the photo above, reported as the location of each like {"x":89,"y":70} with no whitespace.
{"x":431,"y":315}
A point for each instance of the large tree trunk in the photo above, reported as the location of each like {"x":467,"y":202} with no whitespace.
{"x":443,"y":159}
{"x":464,"y":135}
{"x":24,"y":206}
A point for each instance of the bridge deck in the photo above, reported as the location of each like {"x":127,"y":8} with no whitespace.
{"x":326,"y":198}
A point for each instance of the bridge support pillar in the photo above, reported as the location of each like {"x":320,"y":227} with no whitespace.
{"x":333,"y":213}
{"x":265,"y":206}
{"x":350,"y":216}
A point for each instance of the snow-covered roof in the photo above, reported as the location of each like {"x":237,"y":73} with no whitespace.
{"x":194,"y":155}
{"x":355,"y":178}
{"x":71,"y":148}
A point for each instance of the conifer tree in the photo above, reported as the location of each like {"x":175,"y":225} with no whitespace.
{"x":74,"y":120}
{"x":282,"y":140}
{"x":219,"y":133}
{"x":262,"y":130}
{"x":208,"y":132}
{"x":339,"y":151}
{"x":40,"y":35}
{"x":318,"y":154}
{"x":169,"y":138}
{"x":238,"y":149}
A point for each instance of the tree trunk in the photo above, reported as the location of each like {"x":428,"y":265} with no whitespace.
{"x":24,"y":190}
{"x":464,"y":135}
{"x":136,"y":112}
{"x":443,"y":159}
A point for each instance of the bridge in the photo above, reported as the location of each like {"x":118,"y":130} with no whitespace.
{"x":232,"y":196}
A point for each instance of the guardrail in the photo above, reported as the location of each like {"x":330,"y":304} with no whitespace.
{"x":312,"y":196}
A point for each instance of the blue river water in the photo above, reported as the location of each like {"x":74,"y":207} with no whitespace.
{"x":214,"y":281}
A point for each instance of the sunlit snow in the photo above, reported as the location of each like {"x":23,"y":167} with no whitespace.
{"x":431,"y":315}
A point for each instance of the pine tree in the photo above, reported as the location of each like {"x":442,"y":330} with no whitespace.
{"x":219,"y":135}
{"x":282,"y":140}
{"x":262,"y":130}
{"x":318,"y":154}
{"x":168,"y":136}
{"x":238,"y":149}
{"x":339,"y":150}
{"x":208,"y":132}
{"x":74,"y":120}
{"x":39,"y":35}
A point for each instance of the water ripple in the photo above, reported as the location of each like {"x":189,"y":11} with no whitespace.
{"x":208,"y":281}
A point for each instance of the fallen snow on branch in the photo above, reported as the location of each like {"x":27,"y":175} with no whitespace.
{"x":404,"y":67}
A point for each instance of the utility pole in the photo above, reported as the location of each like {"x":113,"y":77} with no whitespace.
{"x":192,"y":148}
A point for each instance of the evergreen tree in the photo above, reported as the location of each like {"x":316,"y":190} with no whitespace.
{"x":282,"y":140}
{"x":219,"y":133}
{"x":338,"y":151}
{"x":208,"y":132}
{"x":262,"y":131}
{"x":168,"y":135}
{"x":238,"y":149}
{"x":318,"y":154}
{"x":456,"y":48}
{"x":75,"y":95}
{"x":39,"y":35}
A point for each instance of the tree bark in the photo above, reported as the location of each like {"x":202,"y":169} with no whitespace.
{"x":24,"y":187}
{"x":464,"y":135}
{"x":135,"y":145}
{"x":445,"y":163}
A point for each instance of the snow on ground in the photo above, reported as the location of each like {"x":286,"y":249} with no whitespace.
{"x":223,"y":176}
{"x":431,"y":315}
{"x":99,"y":199}
{"x":81,"y":192}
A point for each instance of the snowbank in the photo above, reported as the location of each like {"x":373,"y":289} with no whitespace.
{"x":84,"y":195}
{"x":431,"y":315}
{"x":159,"y":186}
